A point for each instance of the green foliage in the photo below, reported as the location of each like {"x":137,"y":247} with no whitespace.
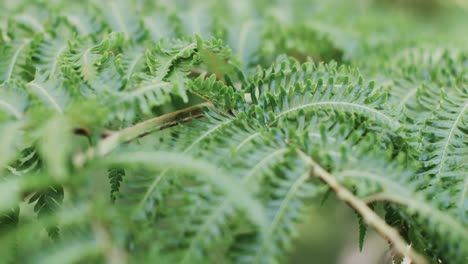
{"x":171,"y":132}
{"x":115,"y":177}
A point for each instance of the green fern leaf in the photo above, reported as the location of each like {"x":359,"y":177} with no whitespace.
{"x":121,"y":17}
{"x":13,"y":99}
{"x":87,"y":58}
{"x":445,"y":161}
{"x":49,"y":54}
{"x":47,"y":202}
{"x":166,"y":55}
{"x":50,"y":93}
{"x":289,"y":88}
{"x":13,"y":60}
{"x":236,"y":194}
{"x":115,"y":177}
{"x":9,"y":142}
{"x":148,"y":93}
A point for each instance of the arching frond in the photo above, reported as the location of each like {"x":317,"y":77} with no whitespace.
{"x":133,"y":61}
{"x":212,"y":226}
{"x":166,"y":55}
{"x":237,"y":195}
{"x":160,"y":25}
{"x":446,"y":150}
{"x":49,"y":54}
{"x":197,"y":21}
{"x":9,"y":142}
{"x":217,"y":92}
{"x":148,"y":93}
{"x":377,"y":179}
{"x":438,"y":65}
{"x":285,"y":209}
{"x":121,"y":17}
{"x":286,"y":90}
{"x":46,"y":202}
{"x":85,"y":58}
{"x":245,"y":41}
{"x":50,"y":92}
{"x":13,"y":60}
{"x":13,"y":99}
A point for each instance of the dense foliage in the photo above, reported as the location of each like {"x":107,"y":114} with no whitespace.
{"x":197,"y":131}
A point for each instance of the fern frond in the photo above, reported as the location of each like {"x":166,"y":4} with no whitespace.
{"x":86,"y":58}
{"x":121,"y":17}
{"x":160,"y":25}
{"x":216,"y":58}
{"x":286,"y":90}
{"x":50,"y":92}
{"x":115,"y":177}
{"x":133,"y":61}
{"x":445,"y":160}
{"x":9,"y":142}
{"x":245,"y":39}
{"x":148,"y":93}
{"x":380,"y":180}
{"x":211,"y":226}
{"x":13,"y":60}
{"x":13,"y":99}
{"x":437,"y":65}
{"x":406,"y":96}
{"x":317,"y":41}
{"x":186,"y":164}
{"x":197,"y":21}
{"x":217,"y":123}
{"x":285,"y":209}
{"x":9,"y":220}
{"x":28,"y":161}
{"x":30,"y":19}
{"x":167,"y":55}
{"x":106,"y":83}
{"x":221,"y":95}
{"x":46,"y":202}
{"x":49,"y":55}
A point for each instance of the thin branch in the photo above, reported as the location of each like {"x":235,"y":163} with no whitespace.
{"x":369,"y":216}
{"x":141,"y":129}
{"x":379,"y":197}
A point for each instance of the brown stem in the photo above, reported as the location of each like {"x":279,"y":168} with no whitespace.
{"x":114,"y":139}
{"x":369,"y":216}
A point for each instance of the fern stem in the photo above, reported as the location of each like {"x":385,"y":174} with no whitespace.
{"x":139,"y":130}
{"x":369,"y":216}
{"x":420,"y":207}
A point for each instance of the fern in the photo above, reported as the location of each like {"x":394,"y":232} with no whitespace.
{"x":119,"y":19}
{"x":203,"y":131}
{"x":115,"y":177}
{"x":50,"y":93}
{"x":47,"y":202}
{"x":448,"y":147}
{"x":14,"y":58}
{"x":13,"y":100}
